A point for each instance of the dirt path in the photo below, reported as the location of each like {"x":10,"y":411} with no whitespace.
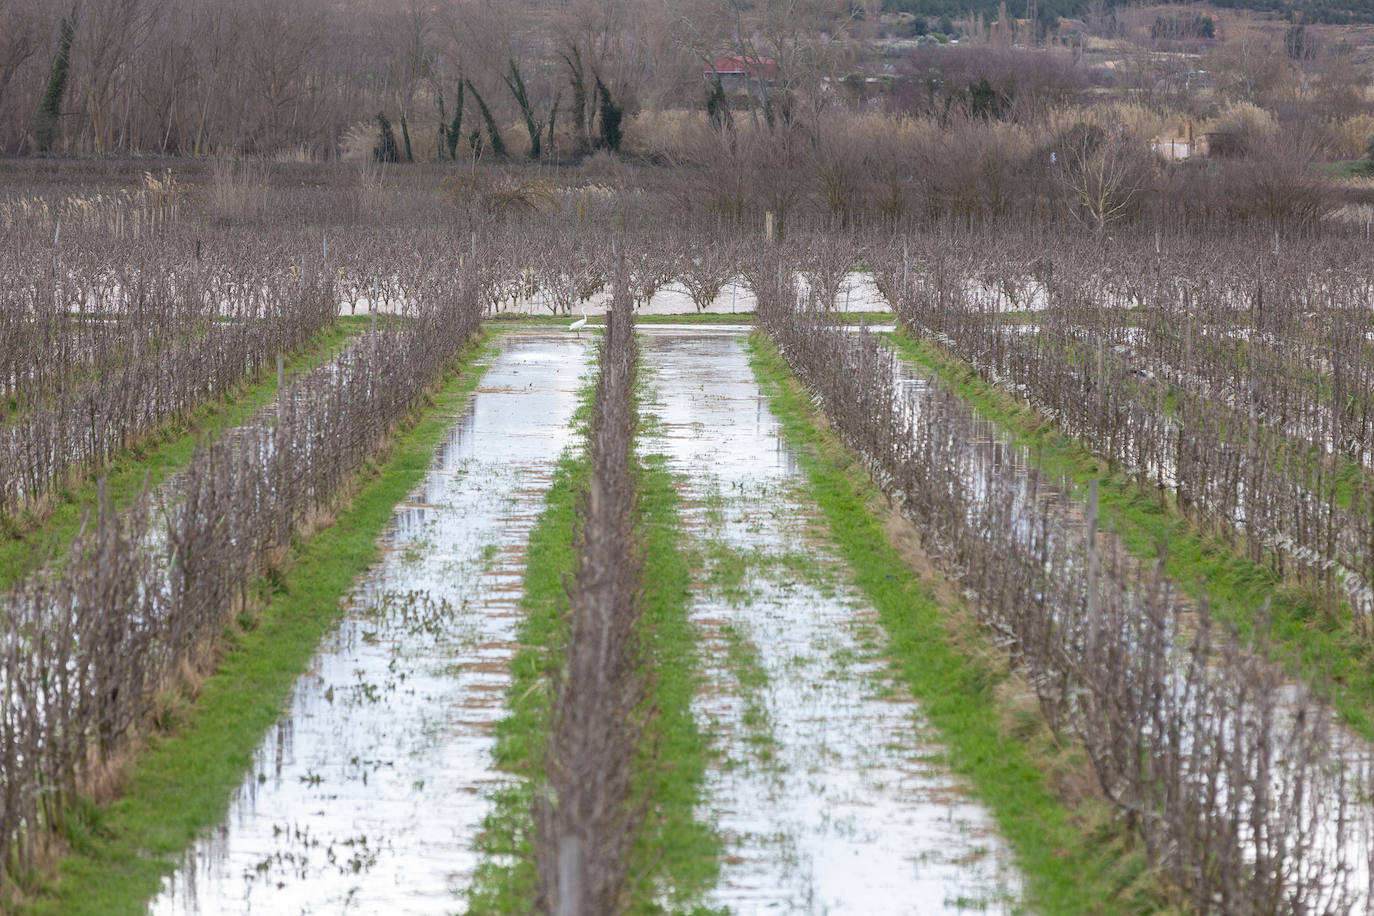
{"x":828,"y":790}
{"x":368,"y":795}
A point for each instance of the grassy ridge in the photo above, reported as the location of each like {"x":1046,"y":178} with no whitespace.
{"x":672,"y":849}
{"x":1072,"y":860}
{"x":182,"y":781}
{"x":1339,"y":663}
{"x":30,"y":543}
{"x":506,"y":881}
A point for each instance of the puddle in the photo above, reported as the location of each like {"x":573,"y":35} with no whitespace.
{"x":368,"y":794}
{"x":827,"y":792}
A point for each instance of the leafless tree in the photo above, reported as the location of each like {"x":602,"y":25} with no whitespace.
{"x":1227,"y":776}
{"x":708,"y":268}
{"x":91,"y":644}
{"x":1102,"y":178}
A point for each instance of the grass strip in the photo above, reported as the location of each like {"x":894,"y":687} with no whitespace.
{"x":744,"y":661}
{"x":1335,"y":660}
{"x":1073,"y":860}
{"x":182,"y":781}
{"x":33,"y":541}
{"x":676,"y":856}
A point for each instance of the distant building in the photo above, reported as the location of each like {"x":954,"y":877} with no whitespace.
{"x":1172,"y":149}
{"x":736,"y":72}
{"x":1181,"y":144}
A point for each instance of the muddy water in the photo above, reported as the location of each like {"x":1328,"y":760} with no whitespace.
{"x":828,"y":792}
{"x":367,"y":795}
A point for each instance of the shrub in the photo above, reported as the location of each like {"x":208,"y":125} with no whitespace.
{"x":386,"y":149}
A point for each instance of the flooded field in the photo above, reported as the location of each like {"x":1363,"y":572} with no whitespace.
{"x":827,"y":789}
{"x":1071,"y":611}
{"x":368,"y":794}
{"x":857,"y":293}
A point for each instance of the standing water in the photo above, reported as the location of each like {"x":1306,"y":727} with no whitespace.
{"x":828,"y":792}
{"x":368,"y":794}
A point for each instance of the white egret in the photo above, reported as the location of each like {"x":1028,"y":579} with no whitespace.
{"x":580,"y":323}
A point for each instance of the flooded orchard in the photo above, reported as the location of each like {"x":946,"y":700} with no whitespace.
{"x":367,"y":795}
{"x":825,"y":787}
{"x":823,"y":538}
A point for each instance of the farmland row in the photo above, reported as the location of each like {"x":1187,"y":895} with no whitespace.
{"x":42,"y":535}
{"x":83,"y":382}
{"x":827,"y":781}
{"x":1247,"y":398}
{"x":1186,"y":742}
{"x":138,"y":603}
{"x":603,"y":757}
{"x":369,"y":789}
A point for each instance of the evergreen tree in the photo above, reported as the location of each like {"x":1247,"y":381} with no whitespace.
{"x":452,"y":132}
{"x":498,"y":145}
{"x":516,"y":84}
{"x":405,"y":136}
{"x":50,"y":109}
{"x":385,"y":150}
{"x":985,"y":101}
{"x":553,"y":118}
{"x":718,"y":108}
{"x":611,"y":115}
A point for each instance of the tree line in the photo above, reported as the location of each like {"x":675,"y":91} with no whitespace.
{"x":314,"y":78}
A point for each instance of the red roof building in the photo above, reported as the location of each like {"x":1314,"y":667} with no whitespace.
{"x":741,"y":68}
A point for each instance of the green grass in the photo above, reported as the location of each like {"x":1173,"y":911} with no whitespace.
{"x":30,"y":542}
{"x":1345,"y":168}
{"x":747,"y":665}
{"x":1073,"y":861}
{"x":181,"y":783}
{"x":731,"y":571}
{"x":1338,"y":662}
{"x":675,"y":857}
